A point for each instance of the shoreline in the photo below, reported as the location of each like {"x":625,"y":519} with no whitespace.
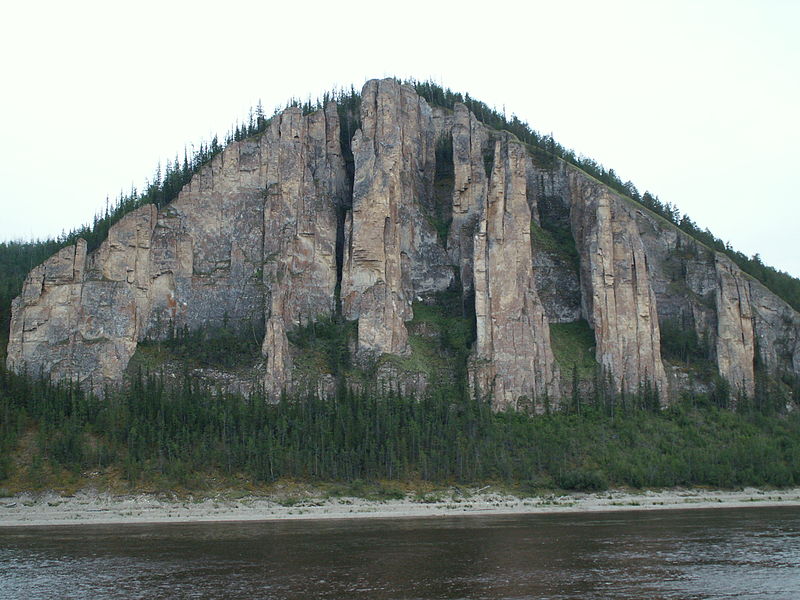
{"x":89,"y":507}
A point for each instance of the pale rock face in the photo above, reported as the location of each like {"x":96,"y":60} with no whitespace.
{"x":470,"y":145}
{"x":777,"y":331}
{"x":392,"y":253}
{"x":683,"y":276}
{"x":513,"y":360}
{"x":251,"y":239}
{"x":619,"y":302}
{"x":305,"y":182}
{"x":207,"y":248}
{"x":734,"y":314}
{"x":735,"y":336}
{"x":79,"y":317}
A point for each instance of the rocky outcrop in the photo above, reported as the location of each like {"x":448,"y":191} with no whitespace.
{"x":305,"y":184}
{"x":735,"y":337}
{"x":392,"y":252}
{"x":556,"y":264}
{"x":264,"y":236}
{"x":249,"y":242}
{"x":618,"y":299}
{"x":207,"y":248}
{"x":472,"y":148}
{"x":514,"y":361}
{"x":737,"y":321}
{"x":79,"y":317}
{"x":777,"y":332}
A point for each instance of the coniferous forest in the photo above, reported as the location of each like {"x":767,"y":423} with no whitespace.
{"x":183,"y":434}
{"x":170,"y":431}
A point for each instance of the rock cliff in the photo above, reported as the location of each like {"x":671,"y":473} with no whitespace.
{"x":250,"y":242}
{"x":279,"y":231}
{"x":79,"y":316}
{"x":514,"y":360}
{"x":618,"y":300}
{"x":305,"y":185}
{"x":392,"y":252}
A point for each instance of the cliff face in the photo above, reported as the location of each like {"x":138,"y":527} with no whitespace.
{"x":471,"y":144}
{"x":249,"y":242}
{"x":79,"y":316}
{"x":738,"y":322}
{"x":266,"y":235}
{"x":305,"y":185}
{"x":514,"y":357}
{"x":618,"y":299}
{"x":392,"y":252}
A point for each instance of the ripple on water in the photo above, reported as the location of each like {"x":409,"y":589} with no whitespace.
{"x":697,"y":554}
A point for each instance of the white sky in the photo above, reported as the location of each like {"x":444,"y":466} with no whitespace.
{"x":696,"y":101}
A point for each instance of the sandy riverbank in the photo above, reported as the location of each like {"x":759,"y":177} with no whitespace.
{"x":91,"y":507}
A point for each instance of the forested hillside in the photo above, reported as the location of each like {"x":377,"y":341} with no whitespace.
{"x":170,"y":436}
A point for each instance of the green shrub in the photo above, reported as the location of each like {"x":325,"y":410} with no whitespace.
{"x":582,"y":480}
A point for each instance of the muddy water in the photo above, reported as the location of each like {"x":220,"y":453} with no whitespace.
{"x":721,"y":553}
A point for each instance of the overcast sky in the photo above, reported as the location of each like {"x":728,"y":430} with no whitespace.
{"x":695,"y":101}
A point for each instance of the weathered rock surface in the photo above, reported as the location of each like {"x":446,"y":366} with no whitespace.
{"x":735,"y":318}
{"x":514,"y":360}
{"x":735,"y":337}
{"x":619,"y":302}
{"x":392,"y":252}
{"x":556,"y":264}
{"x":79,"y":317}
{"x":471,"y":143}
{"x":250,"y":240}
{"x":305,"y":184}
{"x":258,"y":239}
{"x":777,"y":331}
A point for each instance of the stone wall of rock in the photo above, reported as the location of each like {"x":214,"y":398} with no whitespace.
{"x":682,"y":274}
{"x":207,"y":248}
{"x":249,"y":242}
{"x":514,"y":362}
{"x":253,"y":242}
{"x":776,"y":328}
{"x":392,"y":254}
{"x":471,"y":151}
{"x":735,"y":318}
{"x":735,"y":338}
{"x":306,"y":183}
{"x":618,"y":300}
{"x":79,"y":317}
{"x":556,"y":267}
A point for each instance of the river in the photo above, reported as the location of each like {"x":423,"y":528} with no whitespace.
{"x":686,"y":554}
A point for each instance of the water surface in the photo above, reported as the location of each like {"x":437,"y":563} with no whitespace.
{"x":693,"y":554}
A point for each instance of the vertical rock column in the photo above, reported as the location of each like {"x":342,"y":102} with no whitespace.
{"x":470,"y":141}
{"x":513,"y":357}
{"x":735,"y":339}
{"x":305,"y":181}
{"x":617,"y":296}
{"x":391,"y":252}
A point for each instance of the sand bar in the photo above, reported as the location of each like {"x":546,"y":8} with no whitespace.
{"x":92,"y":507}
